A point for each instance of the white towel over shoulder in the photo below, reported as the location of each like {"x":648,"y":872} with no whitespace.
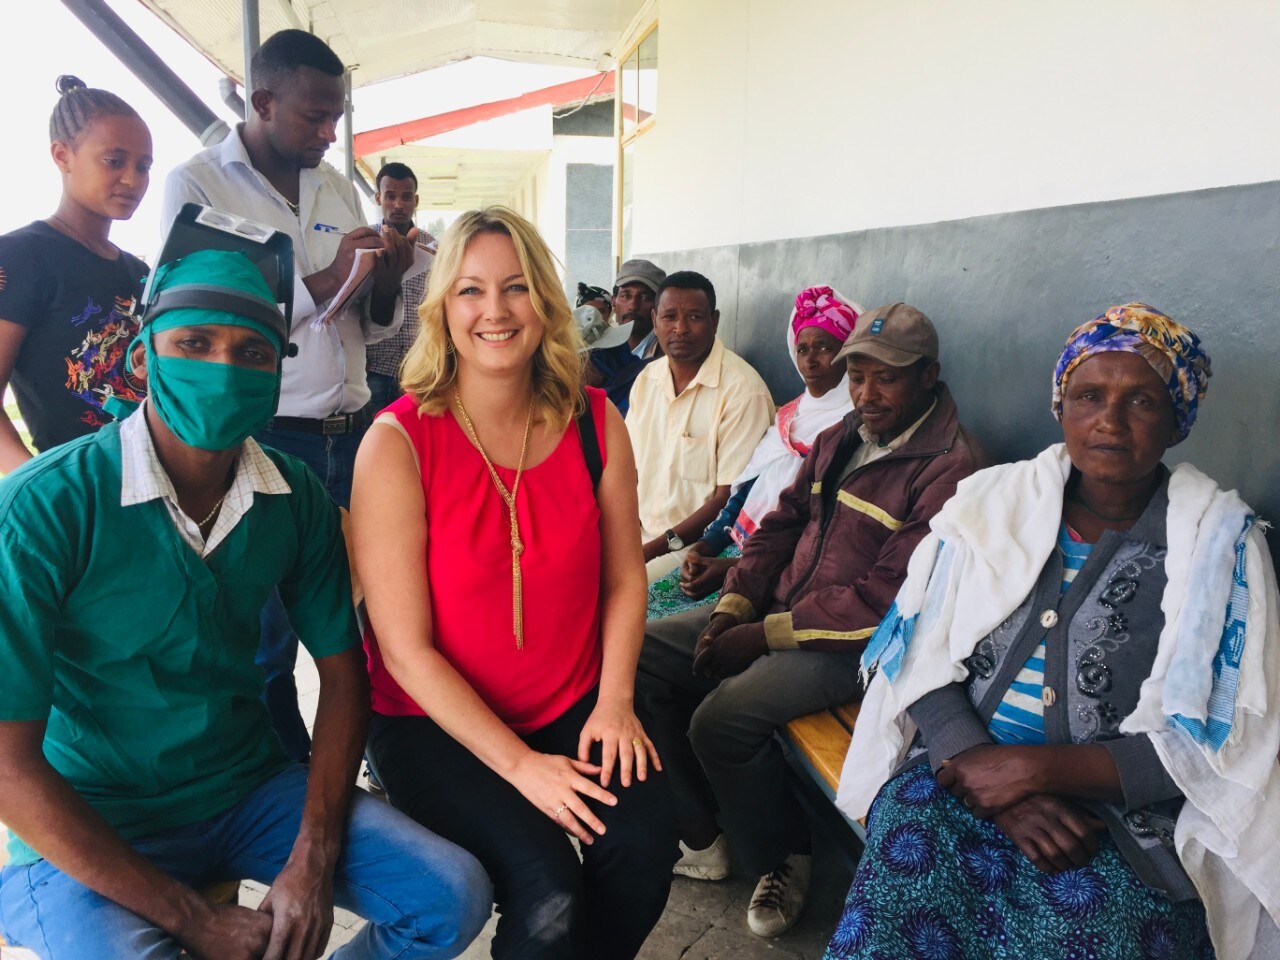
{"x":982,"y":558}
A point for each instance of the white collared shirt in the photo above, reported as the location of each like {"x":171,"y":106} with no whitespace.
{"x":143,"y":478}
{"x":870,"y":450}
{"x":685,"y":446}
{"x":328,"y":374}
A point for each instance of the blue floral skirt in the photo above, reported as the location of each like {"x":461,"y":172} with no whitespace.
{"x":936,"y":883}
{"x":666,"y":597}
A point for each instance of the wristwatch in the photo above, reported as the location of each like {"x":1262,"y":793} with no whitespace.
{"x":674,"y":542}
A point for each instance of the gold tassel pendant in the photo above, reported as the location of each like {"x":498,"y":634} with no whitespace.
{"x":509,"y":498}
{"x":517,"y":584}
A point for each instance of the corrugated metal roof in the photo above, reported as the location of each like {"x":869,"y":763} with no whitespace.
{"x":390,"y":38}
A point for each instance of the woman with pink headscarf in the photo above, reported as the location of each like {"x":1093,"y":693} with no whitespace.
{"x":820,"y":323}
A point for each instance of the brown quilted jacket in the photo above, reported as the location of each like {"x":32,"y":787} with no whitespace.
{"x":823,"y":568}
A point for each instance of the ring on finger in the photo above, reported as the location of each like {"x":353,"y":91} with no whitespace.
{"x":560,"y":809}
{"x":638,"y":741}
{"x":968,"y":803}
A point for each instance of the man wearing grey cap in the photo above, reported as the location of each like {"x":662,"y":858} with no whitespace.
{"x":634,"y":295}
{"x":814,"y":582}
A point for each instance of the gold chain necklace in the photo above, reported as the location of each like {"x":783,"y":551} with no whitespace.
{"x":508,"y":497}
{"x":215,"y":509}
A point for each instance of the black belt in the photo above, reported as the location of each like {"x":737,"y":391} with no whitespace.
{"x":331,"y":426}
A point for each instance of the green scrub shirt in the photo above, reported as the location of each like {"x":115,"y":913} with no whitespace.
{"x":139,"y":653}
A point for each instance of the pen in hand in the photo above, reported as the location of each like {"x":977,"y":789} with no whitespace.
{"x":334,"y":231}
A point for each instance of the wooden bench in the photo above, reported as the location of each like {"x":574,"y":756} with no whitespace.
{"x":816,"y":745}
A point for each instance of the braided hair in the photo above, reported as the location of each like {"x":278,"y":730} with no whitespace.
{"x":79,"y":105}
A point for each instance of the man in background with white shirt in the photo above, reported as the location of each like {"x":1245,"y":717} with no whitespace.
{"x":270,"y":169}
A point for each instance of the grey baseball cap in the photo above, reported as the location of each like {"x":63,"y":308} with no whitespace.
{"x":897,"y":334}
{"x":641,"y":271}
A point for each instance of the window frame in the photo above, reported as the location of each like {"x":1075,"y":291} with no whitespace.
{"x":624,"y":138}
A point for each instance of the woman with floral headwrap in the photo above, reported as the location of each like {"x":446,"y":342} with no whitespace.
{"x":820,"y":323}
{"x":1070,"y":737}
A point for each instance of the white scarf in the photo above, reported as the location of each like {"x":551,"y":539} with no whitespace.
{"x":780,"y":452}
{"x":984,"y":555}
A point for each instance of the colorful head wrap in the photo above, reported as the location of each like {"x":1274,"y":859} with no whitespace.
{"x":1173,"y":352}
{"x":824,"y":308}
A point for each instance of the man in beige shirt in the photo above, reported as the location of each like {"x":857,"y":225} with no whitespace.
{"x":695,"y":418}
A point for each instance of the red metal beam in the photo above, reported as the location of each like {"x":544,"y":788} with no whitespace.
{"x":384,"y":138}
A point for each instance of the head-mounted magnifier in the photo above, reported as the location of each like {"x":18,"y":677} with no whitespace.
{"x":203,"y":228}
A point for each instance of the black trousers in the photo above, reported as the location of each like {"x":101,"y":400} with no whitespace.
{"x":716,"y":738}
{"x":550,"y":905}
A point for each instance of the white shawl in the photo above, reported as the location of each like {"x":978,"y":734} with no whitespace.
{"x":983,"y":556}
{"x":777,"y":457}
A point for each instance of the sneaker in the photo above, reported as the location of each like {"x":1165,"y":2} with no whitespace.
{"x":709,"y":864}
{"x":375,"y":786}
{"x":779,"y":898}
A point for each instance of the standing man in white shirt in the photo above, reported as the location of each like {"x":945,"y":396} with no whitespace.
{"x":270,"y":169}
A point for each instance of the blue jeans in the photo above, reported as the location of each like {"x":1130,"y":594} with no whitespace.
{"x":385,"y":390}
{"x":332,"y":459}
{"x":423,"y":896}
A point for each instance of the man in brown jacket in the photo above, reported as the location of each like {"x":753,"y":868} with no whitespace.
{"x":796,"y":612}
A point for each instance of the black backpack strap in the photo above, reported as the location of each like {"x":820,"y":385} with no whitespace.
{"x":590,"y":443}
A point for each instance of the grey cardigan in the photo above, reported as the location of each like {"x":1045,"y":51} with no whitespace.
{"x":1100,"y":643}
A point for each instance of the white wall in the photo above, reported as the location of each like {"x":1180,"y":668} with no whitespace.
{"x":529,"y":196}
{"x":823,"y":116}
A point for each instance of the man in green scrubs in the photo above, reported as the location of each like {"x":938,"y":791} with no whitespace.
{"x":138,"y":759}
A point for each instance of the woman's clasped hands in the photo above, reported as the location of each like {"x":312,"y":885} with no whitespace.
{"x":1012,"y":786}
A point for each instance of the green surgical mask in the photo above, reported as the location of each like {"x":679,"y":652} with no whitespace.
{"x":212,"y":406}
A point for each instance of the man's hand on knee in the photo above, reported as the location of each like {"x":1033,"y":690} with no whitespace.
{"x":300,"y":906}
{"x":718,"y":624}
{"x":729,"y":652}
{"x":228,"y":932}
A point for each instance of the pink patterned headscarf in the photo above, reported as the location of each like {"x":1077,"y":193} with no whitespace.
{"x":824,"y":308}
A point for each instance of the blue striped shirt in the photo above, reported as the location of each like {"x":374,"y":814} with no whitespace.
{"x":1019,"y":717}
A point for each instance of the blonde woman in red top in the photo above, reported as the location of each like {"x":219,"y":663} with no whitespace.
{"x":506,"y":603}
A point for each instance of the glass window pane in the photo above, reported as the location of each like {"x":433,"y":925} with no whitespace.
{"x":628,"y":193}
{"x":630,"y":93}
{"x":647,"y":98}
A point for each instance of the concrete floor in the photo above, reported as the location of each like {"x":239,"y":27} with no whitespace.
{"x":703,"y":921}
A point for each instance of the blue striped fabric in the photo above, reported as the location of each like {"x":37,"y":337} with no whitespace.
{"x":1019,"y":717}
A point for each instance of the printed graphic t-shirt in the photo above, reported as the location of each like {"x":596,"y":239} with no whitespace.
{"x":79,"y":312}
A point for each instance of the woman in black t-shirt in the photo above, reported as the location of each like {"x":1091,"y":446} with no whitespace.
{"x":67,"y":294}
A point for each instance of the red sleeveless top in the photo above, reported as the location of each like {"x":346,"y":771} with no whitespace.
{"x":469,"y":573}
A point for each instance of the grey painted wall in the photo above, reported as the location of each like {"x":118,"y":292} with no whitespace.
{"x":593,"y":120}
{"x":1005,"y":290}
{"x":588,"y":244}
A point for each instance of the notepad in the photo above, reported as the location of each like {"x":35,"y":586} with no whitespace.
{"x":360,"y":279}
